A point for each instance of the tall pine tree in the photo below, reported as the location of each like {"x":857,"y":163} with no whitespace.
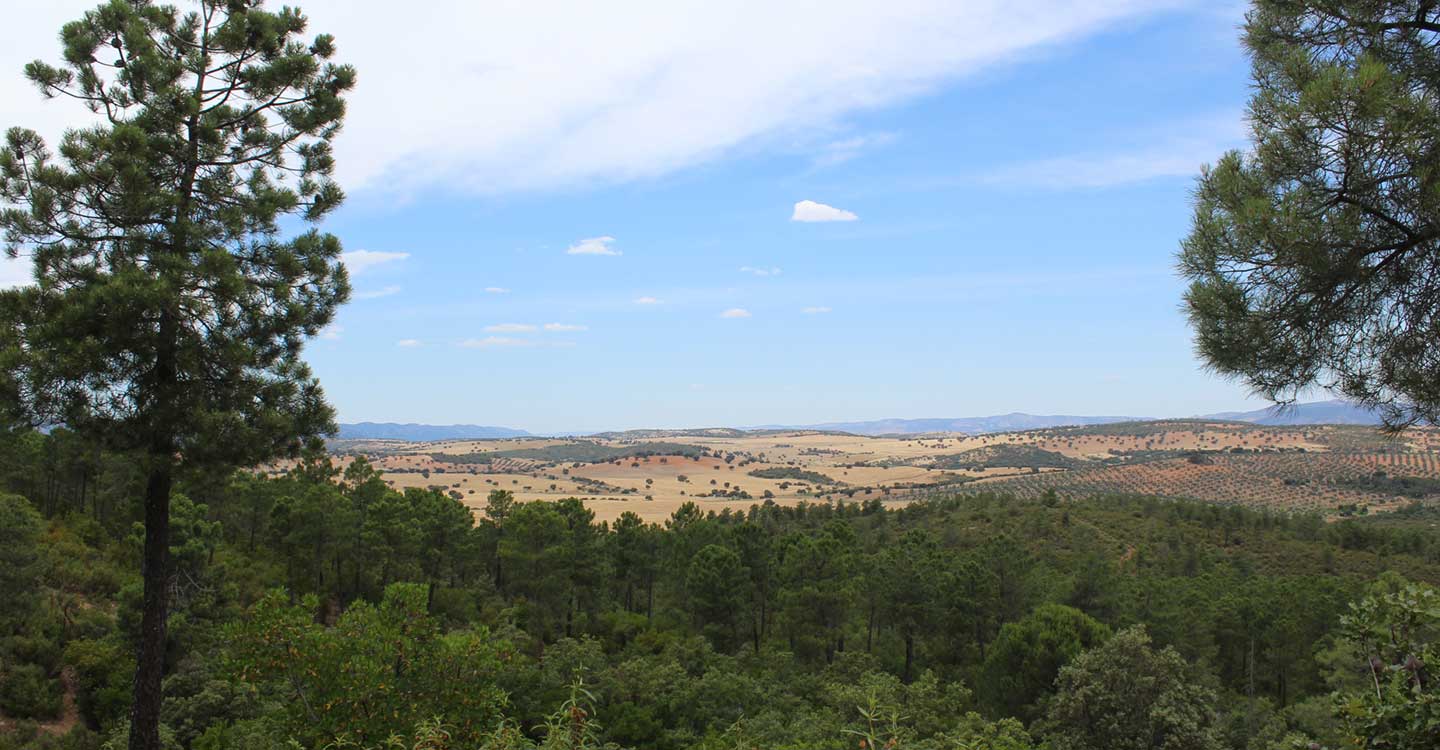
{"x":167,"y":313}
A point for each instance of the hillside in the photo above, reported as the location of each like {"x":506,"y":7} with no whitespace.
{"x":1332,"y":469}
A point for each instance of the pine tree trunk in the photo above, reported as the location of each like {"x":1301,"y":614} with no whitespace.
{"x":909,"y":656}
{"x":150,"y":662}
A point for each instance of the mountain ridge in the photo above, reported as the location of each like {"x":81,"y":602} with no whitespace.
{"x":419,"y":433}
{"x":1315,"y":412}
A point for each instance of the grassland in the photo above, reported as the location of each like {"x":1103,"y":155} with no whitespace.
{"x":1327,"y":468}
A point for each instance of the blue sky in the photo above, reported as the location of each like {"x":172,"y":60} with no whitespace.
{"x":1019,"y":180}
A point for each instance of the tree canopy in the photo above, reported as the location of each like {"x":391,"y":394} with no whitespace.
{"x":1314,"y":257}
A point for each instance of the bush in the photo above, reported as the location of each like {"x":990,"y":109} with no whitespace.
{"x":26,"y":692}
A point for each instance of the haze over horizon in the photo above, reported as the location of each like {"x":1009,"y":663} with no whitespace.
{"x":673,"y":215}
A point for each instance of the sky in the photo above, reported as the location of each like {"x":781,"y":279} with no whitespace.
{"x":589,"y":216}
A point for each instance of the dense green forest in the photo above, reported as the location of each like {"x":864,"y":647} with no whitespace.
{"x":324,"y":609}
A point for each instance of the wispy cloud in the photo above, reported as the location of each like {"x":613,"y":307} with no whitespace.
{"x":593,"y":246}
{"x":845,"y":149}
{"x":760,"y":271}
{"x":494,"y":341}
{"x":510,"y":328}
{"x":408,"y":343}
{"x":1177,"y":152}
{"x":810,"y":211}
{"x":735,"y":312}
{"x":332,"y":332}
{"x":646,"y":301}
{"x":643,"y":89}
{"x":815,"y":310}
{"x":496,"y":290}
{"x":377,"y":293}
{"x":555,"y":327}
{"x":360,"y":261}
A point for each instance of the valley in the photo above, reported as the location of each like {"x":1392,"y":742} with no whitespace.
{"x":1330,"y":469}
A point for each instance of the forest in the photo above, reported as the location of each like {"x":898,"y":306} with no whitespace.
{"x":164,"y":586}
{"x":323,"y":609}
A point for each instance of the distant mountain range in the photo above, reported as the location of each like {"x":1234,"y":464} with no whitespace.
{"x":1012,"y":422}
{"x":1318,"y":412}
{"x":424,"y":432}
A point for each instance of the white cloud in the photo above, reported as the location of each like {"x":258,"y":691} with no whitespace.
{"x":332,"y":332}
{"x":510,"y":328}
{"x":646,"y":301}
{"x":808,"y":210}
{"x":815,"y":310}
{"x":564,"y":327}
{"x":408,"y":343}
{"x":762,"y":271}
{"x":496,"y":290}
{"x":614,"y":91}
{"x":593,"y":246}
{"x":377,"y":293}
{"x":735,"y":312}
{"x":360,"y":261}
{"x":494,"y":341}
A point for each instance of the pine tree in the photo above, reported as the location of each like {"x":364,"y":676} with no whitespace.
{"x":1315,"y":257}
{"x":167,"y":314}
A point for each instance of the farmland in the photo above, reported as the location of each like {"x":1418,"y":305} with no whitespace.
{"x":1330,"y":469}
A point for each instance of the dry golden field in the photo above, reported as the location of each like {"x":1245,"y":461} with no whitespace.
{"x":652,"y":473}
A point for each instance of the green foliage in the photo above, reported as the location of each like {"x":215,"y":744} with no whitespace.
{"x":27,"y":692}
{"x":769,"y":628}
{"x":20,"y":528}
{"x":580,"y":451}
{"x":1126,"y":695}
{"x":1395,"y":631}
{"x":1027,"y":656}
{"x":1313,"y":257}
{"x":1412,"y":487}
{"x":1003,"y":454}
{"x":380,"y":667}
{"x":166,"y":308}
{"x":792,"y":472}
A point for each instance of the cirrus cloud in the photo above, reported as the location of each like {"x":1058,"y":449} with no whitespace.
{"x":618,"y":91}
{"x":735,"y":312}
